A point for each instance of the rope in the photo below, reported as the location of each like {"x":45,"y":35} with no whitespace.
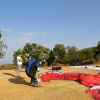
{"x":53,"y":85}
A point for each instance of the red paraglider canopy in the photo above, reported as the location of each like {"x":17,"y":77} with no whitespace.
{"x":85,"y":79}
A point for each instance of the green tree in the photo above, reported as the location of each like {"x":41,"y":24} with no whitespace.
{"x":72,"y":55}
{"x":37,"y":51}
{"x":49,"y":60}
{"x":1,"y":46}
{"x":97,"y":52}
{"x":0,"y":34}
{"x":22,"y":55}
{"x":60,"y":51}
{"x":81,"y":57}
{"x":89,"y":55}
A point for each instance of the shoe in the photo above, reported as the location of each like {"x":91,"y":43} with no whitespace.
{"x":36,"y":85}
{"x":16,"y":76}
{"x":32,"y":84}
{"x":19,"y":76}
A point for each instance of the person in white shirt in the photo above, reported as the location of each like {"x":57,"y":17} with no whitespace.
{"x":19,"y":63}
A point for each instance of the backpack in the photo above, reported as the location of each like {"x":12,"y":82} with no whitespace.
{"x":28,"y":65}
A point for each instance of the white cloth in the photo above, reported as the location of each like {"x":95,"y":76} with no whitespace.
{"x":38,"y":80}
{"x":38,"y":69}
{"x":18,"y":60}
{"x":88,"y":67}
{"x":95,"y":87}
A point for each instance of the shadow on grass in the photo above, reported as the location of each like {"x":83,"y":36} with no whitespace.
{"x":9,"y":74}
{"x":17,"y":80}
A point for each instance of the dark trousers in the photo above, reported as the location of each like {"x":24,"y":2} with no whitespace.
{"x":53,"y":64}
{"x":30,"y":76}
{"x":34,"y":80}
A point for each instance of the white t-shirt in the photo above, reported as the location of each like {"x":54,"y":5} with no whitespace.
{"x":19,"y":62}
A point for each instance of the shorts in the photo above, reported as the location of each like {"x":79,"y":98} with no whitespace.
{"x":19,"y":67}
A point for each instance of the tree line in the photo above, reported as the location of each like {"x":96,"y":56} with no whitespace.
{"x":66,"y":54}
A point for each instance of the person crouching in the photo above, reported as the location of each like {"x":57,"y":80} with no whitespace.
{"x":36,"y":72}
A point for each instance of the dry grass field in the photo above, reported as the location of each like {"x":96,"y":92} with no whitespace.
{"x":12,"y":88}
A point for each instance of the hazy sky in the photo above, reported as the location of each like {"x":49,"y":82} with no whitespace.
{"x":47,"y":23}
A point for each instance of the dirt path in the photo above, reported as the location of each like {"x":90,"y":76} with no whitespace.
{"x":12,"y":88}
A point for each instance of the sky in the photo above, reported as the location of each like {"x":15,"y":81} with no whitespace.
{"x":47,"y":23}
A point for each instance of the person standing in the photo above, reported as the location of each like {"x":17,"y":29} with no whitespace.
{"x":19,"y":63}
{"x":54,"y":61}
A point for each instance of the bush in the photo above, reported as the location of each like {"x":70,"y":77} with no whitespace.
{"x":93,"y":61}
{"x":8,"y":66}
